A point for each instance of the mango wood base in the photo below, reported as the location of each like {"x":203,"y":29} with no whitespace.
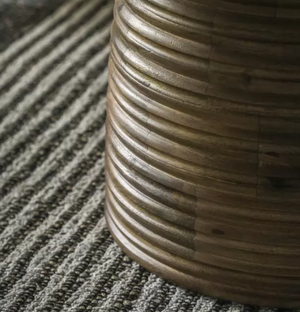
{"x":203,"y":148}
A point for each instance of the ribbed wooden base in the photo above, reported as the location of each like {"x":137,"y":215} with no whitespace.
{"x":203,"y":149}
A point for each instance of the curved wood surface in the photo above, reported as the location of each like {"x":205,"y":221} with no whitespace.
{"x":203,"y":144}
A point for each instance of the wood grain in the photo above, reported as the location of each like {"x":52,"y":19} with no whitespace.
{"x":203,"y":150}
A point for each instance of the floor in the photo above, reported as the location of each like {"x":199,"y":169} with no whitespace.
{"x":18,"y":16}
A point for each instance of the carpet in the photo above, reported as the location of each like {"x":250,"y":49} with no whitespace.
{"x":56,"y":253}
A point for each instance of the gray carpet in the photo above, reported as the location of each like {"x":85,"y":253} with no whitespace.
{"x":56,"y":253}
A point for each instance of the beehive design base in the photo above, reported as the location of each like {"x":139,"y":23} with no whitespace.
{"x":203,"y":149}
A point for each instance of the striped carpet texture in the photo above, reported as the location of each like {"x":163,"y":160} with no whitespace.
{"x":56,"y":253}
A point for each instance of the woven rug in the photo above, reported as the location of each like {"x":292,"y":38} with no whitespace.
{"x":56,"y":253}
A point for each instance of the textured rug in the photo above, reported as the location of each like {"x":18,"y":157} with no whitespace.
{"x":56,"y":253}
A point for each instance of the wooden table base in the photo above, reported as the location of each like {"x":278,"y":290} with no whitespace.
{"x":203,"y":148}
